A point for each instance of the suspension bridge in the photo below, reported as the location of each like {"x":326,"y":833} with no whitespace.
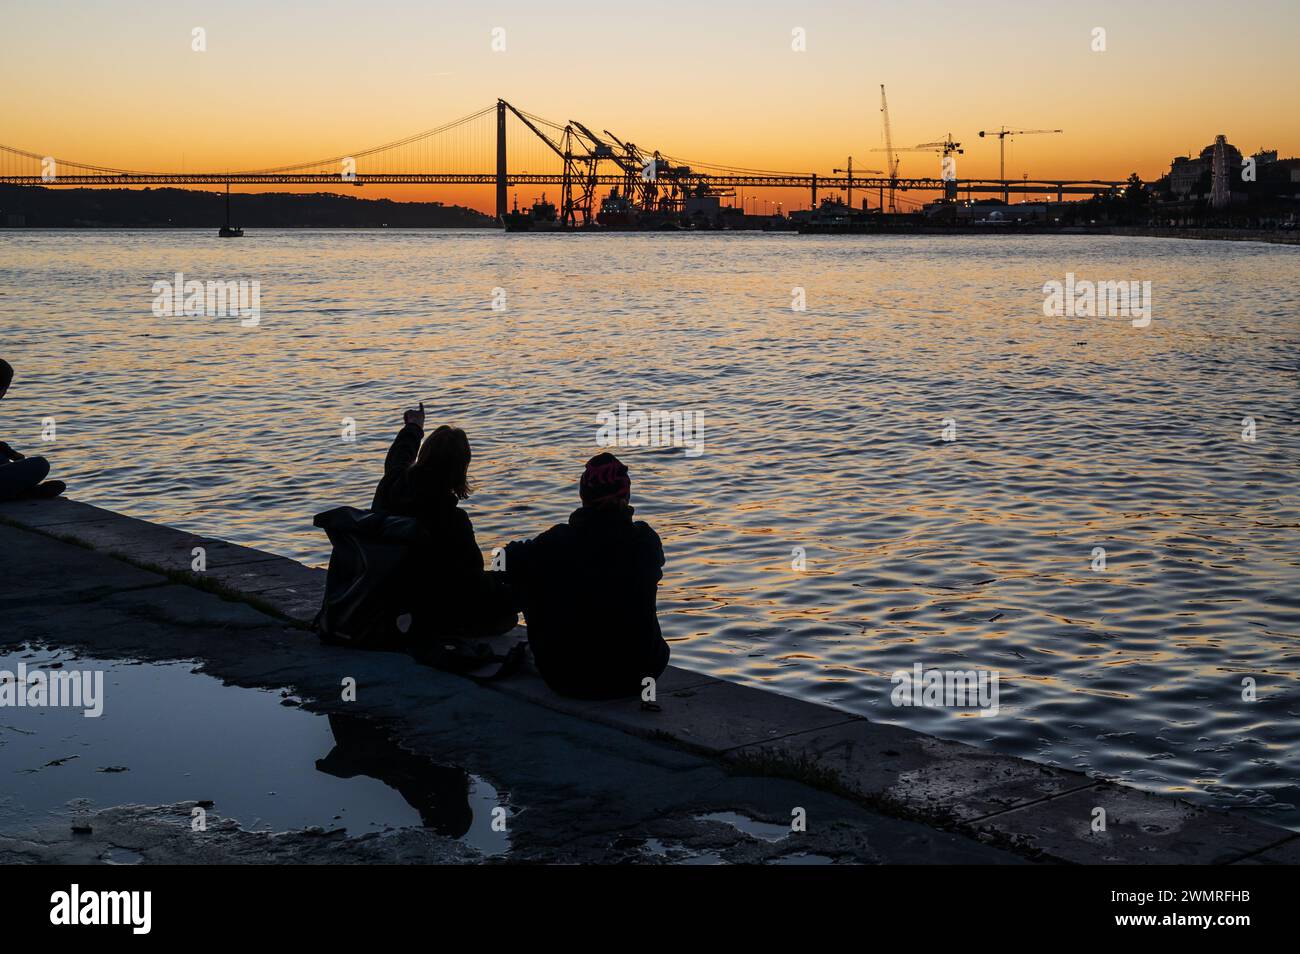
{"x":503,"y":146}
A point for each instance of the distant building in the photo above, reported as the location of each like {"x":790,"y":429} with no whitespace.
{"x":1221,"y":184}
{"x":1193,"y":178}
{"x":994,"y":211}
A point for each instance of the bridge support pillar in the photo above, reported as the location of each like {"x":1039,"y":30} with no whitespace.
{"x":814,"y":191}
{"x":501,"y":159}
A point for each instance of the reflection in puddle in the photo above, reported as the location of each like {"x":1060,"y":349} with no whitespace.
{"x":750,"y":826}
{"x":168,"y":734}
{"x":681,"y":855}
{"x":448,"y":799}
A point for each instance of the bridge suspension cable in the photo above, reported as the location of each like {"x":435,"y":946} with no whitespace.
{"x":373,"y":150}
{"x":505,"y":146}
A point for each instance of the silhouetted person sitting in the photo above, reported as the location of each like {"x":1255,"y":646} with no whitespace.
{"x":445,"y":586}
{"x":22,"y":476}
{"x":588,"y":589}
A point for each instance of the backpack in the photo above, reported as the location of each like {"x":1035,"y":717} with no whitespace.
{"x":363,"y":585}
{"x":366,"y":593}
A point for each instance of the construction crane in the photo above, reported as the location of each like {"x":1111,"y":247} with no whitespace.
{"x":1002,"y":135}
{"x":945,"y":146}
{"x":891,"y":159}
{"x":849,"y":171}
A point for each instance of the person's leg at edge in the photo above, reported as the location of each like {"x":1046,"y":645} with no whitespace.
{"x":21,"y":477}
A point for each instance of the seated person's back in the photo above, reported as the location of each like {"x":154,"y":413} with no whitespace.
{"x":588,"y":589}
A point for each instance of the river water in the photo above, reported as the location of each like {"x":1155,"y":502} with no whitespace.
{"x":826,"y":534}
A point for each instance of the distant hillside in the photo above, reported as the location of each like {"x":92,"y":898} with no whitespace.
{"x":40,"y":207}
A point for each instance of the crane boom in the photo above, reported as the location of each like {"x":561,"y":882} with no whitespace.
{"x":946,"y":147}
{"x":891,"y":158}
{"x":555,"y":147}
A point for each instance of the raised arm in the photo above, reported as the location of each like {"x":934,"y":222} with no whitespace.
{"x":401,"y":455}
{"x":406,"y":445}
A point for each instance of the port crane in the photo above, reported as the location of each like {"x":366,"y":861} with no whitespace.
{"x":570,"y":207}
{"x":640,"y":177}
{"x":582,"y":151}
{"x":656,"y":184}
{"x":1002,"y":135}
{"x":849,"y":186}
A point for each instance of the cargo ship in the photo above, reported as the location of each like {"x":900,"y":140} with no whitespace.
{"x":541,"y":218}
{"x":617,"y":211}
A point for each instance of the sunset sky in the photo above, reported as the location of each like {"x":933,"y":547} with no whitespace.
{"x":118,"y":84}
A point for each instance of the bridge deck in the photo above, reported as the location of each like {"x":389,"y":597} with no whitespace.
{"x":982,"y":186}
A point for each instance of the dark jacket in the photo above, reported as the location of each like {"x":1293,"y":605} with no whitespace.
{"x":451,"y":594}
{"x":588,"y":590}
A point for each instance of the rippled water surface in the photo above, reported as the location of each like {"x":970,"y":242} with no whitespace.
{"x":823,"y":430}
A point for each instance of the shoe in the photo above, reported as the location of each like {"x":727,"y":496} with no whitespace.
{"x":49,"y":489}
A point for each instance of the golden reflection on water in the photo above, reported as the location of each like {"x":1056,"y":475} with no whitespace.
{"x":822,"y":431}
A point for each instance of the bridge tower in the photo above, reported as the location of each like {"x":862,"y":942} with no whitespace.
{"x":501,"y":159}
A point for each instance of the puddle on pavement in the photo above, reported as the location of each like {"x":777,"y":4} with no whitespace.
{"x":121,"y":856}
{"x":168,"y":734}
{"x":681,"y":855}
{"x":802,"y":859}
{"x":750,"y":826}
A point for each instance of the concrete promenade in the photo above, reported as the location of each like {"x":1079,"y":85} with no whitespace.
{"x":601,"y":782}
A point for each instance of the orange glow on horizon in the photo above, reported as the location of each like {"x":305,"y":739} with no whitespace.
{"x":122,"y":87}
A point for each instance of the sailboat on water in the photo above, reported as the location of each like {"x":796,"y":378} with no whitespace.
{"x":227,"y":231}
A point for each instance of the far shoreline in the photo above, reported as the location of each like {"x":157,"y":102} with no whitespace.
{"x":1270,"y":237}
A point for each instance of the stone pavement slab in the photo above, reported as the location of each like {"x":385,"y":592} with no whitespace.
{"x":717,"y":716}
{"x":47,"y":513}
{"x":916,"y":773}
{"x":76,"y":574}
{"x":1286,"y":853}
{"x":1140,"y":828}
